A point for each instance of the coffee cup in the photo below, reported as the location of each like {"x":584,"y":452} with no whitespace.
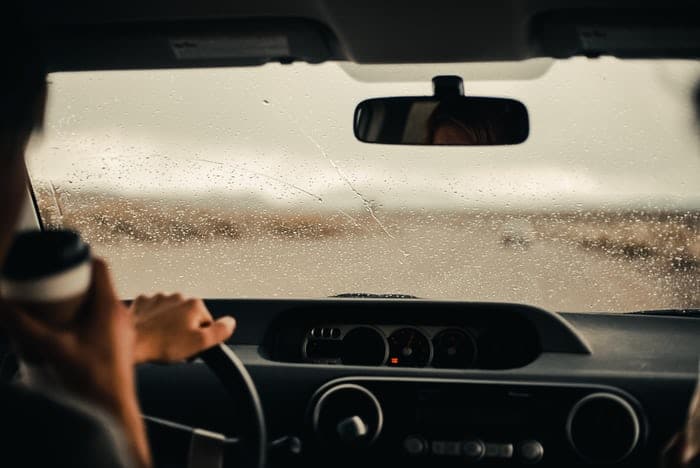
{"x":46,"y":274}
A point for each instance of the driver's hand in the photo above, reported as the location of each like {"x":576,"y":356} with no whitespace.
{"x":684,"y":449}
{"x":171,"y":328}
{"x":691,"y":452}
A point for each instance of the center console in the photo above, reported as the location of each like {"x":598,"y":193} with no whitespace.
{"x":424,"y":422}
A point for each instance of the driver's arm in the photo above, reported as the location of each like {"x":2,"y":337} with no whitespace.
{"x":97,"y":358}
{"x":94,"y":357}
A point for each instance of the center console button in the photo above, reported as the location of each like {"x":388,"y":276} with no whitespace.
{"x":530,"y":451}
{"x":415,"y":445}
{"x":453,"y":449}
{"x":448,"y":448}
{"x":502,"y":451}
{"x":438,"y":447}
{"x":473,"y":450}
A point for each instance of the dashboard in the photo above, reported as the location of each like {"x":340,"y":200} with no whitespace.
{"x":414,"y":383}
{"x":492,"y":338}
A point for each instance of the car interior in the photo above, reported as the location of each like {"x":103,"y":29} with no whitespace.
{"x":392,"y":379}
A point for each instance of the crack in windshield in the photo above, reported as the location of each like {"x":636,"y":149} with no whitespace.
{"x":365,"y":202}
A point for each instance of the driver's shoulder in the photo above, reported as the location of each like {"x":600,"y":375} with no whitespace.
{"x":37,"y":429}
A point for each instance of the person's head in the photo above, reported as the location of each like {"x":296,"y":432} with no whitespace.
{"x":475,"y":122}
{"x":22,"y":98}
{"x":447,"y":126}
{"x":454,"y":124}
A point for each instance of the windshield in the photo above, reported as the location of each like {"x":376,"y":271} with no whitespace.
{"x":248,"y":182}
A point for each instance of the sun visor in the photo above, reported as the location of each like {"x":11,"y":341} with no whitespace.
{"x":624,"y":34}
{"x":185,"y":45}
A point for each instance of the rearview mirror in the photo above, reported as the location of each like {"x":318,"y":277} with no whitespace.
{"x":447,"y":118}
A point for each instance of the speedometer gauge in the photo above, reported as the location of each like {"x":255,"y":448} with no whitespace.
{"x":409,"y":347}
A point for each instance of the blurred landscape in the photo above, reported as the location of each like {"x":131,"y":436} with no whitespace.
{"x":576,"y":261}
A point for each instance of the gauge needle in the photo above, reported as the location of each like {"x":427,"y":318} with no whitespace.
{"x":408,"y":350}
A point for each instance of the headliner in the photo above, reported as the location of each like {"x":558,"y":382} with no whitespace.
{"x":183,"y":33}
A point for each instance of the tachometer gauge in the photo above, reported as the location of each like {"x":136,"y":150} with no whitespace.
{"x":409,"y":347}
{"x":454,"y":349}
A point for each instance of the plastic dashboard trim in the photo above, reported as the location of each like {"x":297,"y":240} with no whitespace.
{"x":556,"y":334}
{"x":625,"y":396}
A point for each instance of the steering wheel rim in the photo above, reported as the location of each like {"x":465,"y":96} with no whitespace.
{"x":233,"y":376}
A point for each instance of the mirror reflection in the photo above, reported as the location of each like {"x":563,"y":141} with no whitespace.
{"x":447,"y":118}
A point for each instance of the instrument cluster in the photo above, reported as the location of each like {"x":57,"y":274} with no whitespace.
{"x":392,"y":346}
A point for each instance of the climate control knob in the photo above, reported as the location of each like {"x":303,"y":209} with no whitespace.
{"x":347,"y":415}
{"x":352,"y":429}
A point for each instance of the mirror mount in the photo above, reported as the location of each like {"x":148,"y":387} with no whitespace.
{"x":447,"y":86}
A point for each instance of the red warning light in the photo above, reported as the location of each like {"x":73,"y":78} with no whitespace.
{"x":394,"y":360}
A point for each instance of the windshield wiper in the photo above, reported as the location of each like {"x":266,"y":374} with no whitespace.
{"x":375,"y":296}
{"x":695,"y":313}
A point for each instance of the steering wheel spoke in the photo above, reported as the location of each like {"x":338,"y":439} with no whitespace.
{"x":191,"y":447}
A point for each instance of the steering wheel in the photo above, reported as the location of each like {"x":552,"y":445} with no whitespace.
{"x":234,"y":377}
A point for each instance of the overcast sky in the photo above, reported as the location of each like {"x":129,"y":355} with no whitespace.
{"x":604,"y":133}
